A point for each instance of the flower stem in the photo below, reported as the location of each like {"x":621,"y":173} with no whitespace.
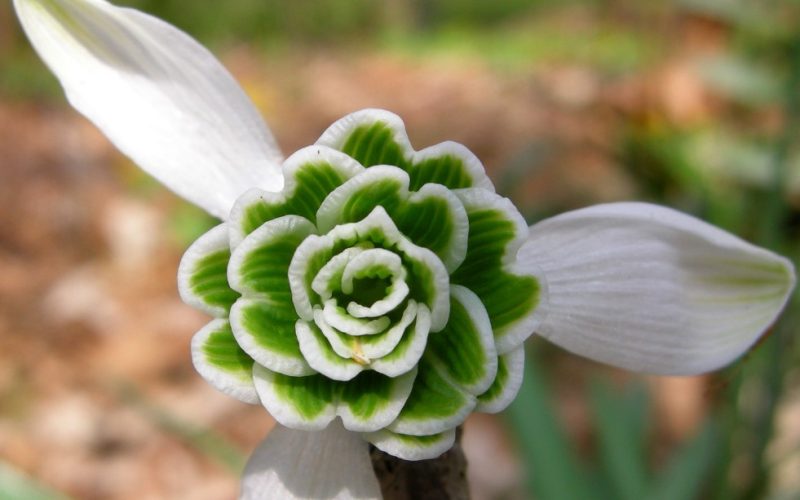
{"x":443,"y":478}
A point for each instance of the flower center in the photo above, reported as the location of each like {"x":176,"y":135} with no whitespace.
{"x":369,"y":290}
{"x":366,"y":297}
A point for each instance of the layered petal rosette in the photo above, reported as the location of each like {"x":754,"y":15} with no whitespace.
{"x":379,"y":286}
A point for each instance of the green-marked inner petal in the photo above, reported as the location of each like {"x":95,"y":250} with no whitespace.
{"x":375,"y":144}
{"x":354,"y":200}
{"x":366,"y":403}
{"x":428,"y":287}
{"x":266,"y":270}
{"x":322,"y":357}
{"x":314,"y":183}
{"x":373,"y":263}
{"x":266,"y":331}
{"x":220,"y":360}
{"x":434,"y":218}
{"x":427,"y":279}
{"x":365,"y":394}
{"x":371,"y":401}
{"x":309,"y":259}
{"x":409,"y":447}
{"x":342,"y":344}
{"x":378,"y":138}
{"x":311,"y":175}
{"x":508,"y":298}
{"x":408,"y":351}
{"x":361,"y":201}
{"x":260,"y":264}
{"x":329,"y":279}
{"x":308,"y":395}
{"x":203,"y":273}
{"x":506,"y":383}
{"x":447,"y":170}
{"x":435,"y":403}
{"x":338,"y":318}
{"x":394,"y":295}
{"x":378,"y":346}
{"x":221,"y":351}
{"x":373,"y":283}
{"x":367,"y":348}
{"x":209,"y":280}
{"x":431,"y":218}
{"x":465,"y":347}
{"x":307,"y":403}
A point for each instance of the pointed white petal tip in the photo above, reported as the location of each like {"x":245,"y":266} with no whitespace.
{"x":329,"y":464}
{"x":159,"y":96}
{"x":650,"y":289}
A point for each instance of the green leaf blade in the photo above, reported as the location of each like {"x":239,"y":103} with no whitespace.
{"x":690,"y":467}
{"x":620,"y":429}
{"x":554,"y":471}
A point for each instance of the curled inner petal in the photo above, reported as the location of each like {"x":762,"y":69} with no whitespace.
{"x":376,"y":281}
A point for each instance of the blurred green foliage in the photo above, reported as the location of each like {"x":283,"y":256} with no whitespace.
{"x":270,"y":20}
{"x":621,"y":470}
{"x":528,"y":41}
{"x":513,"y":33}
{"x":739,"y":170}
{"x":14,"y":485}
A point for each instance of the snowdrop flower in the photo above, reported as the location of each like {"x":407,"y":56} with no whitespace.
{"x":365,"y":292}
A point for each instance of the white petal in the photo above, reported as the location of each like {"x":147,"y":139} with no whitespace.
{"x":650,"y":289}
{"x":159,"y":96}
{"x":330,"y":464}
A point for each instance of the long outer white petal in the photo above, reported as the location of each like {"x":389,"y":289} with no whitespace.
{"x":329,"y":464}
{"x":650,"y":289}
{"x":159,"y":96}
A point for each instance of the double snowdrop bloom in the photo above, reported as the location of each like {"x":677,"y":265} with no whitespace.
{"x":366,"y":292}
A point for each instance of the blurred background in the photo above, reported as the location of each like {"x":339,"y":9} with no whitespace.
{"x":692,"y":103}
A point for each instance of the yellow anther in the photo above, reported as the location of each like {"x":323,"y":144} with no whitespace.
{"x":358,"y":355}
